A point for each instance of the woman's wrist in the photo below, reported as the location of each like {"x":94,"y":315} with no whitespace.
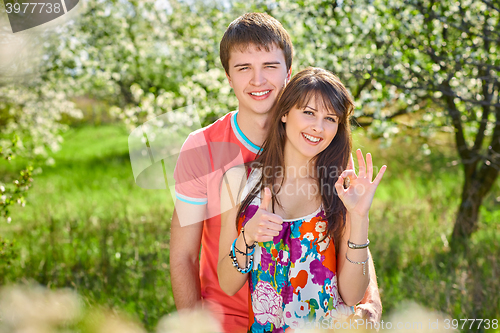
{"x":240,"y":242}
{"x":241,"y":260}
{"x":358,"y":234}
{"x":249,"y":242}
{"x":359,"y":216}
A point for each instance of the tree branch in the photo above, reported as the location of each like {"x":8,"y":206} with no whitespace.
{"x":399,"y":112}
{"x":361,"y":88}
{"x":462,"y":147}
{"x":489,"y":4}
{"x":488,"y":97}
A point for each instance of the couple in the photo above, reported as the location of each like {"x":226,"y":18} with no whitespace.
{"x":304,"y":253}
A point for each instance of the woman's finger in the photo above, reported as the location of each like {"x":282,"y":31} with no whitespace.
{"x":263,"y":239}
{"x":267,"y":229}
{"x":273,"y":218}
{"x":339,"y":187}
{"x":266,"y":199}
{"x":380,"y":175}
{"x":350,"y":165}
{"x":272,"y":224}
{"x":268,"y":233}
{"x":351,"y":174}
{"x":369,"y":166}
{"x":361,"y":163}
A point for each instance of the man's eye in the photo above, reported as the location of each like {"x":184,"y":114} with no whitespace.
{"x":243,"y":68}
{"x":271,"y":66}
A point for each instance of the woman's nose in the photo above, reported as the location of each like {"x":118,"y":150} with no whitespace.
{"x":318,"y":125}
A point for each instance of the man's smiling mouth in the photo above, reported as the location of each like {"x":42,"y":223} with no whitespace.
{"x":261,"y":93}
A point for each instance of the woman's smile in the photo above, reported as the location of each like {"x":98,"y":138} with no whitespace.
{"x":313,"y":140}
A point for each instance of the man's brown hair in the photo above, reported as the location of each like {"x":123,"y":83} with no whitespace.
{"x":259,"y":29}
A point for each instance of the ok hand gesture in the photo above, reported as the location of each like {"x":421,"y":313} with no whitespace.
{"x":358,"y":197}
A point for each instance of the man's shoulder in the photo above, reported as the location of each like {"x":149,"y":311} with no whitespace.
{"x":213,"y":131}
{"x":220,"y":125}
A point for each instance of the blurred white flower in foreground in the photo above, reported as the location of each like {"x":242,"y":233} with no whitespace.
{"x":195,"y":321}
{"x":36,"y":309}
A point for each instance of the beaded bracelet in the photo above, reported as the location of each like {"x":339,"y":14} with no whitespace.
{"x":232,"y":255}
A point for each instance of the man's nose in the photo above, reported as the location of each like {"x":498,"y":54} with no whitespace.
{"x":258,"y":78}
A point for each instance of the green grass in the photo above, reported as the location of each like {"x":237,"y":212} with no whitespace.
{"x":89,"y":227}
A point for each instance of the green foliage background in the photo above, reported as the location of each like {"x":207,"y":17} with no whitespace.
{"x":66,"y":113}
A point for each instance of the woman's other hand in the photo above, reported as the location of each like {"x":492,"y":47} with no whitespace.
{"x":358,"y":196}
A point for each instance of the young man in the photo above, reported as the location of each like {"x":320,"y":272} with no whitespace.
{"x":256,"y":53}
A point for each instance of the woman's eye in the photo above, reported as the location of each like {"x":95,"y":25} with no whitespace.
{"x":331,"y":119}
{"x":308,"y":112}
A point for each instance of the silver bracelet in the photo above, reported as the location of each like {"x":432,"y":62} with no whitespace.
{"x":358,"y":246}
{"x":359,"y":262}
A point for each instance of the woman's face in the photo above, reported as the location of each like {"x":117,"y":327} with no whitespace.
{"x":310,"y":130}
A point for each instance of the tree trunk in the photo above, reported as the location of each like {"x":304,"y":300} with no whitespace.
{"x":476,"y":186}
{"x":468,"y":212}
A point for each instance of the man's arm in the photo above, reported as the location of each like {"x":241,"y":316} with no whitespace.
{"x":185,"y":241}
{"x":370,"y":307}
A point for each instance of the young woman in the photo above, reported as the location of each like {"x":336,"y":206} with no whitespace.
{"x":297,"y":233}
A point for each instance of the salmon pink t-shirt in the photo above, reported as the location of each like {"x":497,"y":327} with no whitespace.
{"x":205,"y":156}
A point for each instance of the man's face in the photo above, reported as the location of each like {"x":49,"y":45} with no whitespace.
{"x":257,"y":77}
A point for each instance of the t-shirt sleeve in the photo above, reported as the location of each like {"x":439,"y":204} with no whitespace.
{"x":192,"y":169}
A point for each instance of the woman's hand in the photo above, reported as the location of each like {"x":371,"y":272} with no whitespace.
{"x":264,"y":225}
{"x":358,"y":197}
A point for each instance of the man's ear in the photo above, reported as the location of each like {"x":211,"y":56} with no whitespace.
{"x":289,"y":75}
{"x":229,"y":80}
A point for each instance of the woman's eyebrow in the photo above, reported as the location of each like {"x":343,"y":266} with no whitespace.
{"x":329,"y":113}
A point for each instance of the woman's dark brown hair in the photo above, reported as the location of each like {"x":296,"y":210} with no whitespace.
{"x":331,"y":95}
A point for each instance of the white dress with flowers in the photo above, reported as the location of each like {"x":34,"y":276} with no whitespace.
{"x":293,"y":281}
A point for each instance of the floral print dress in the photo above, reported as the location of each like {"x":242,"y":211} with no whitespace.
{"x":293,"y":282}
